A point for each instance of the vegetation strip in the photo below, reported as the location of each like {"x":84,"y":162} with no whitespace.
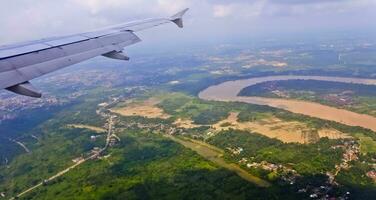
{"x":215,"y":155}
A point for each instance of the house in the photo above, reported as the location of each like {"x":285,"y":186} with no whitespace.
{"x":372,"y":175}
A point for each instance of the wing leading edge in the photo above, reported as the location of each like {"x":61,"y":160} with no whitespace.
{"x":23,"y":62}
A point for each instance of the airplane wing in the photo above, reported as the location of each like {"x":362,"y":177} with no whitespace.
{"x":23,"y":62}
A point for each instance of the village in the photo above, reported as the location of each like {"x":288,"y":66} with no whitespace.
{"x":289,"y":175}
{"x":341,"y":99}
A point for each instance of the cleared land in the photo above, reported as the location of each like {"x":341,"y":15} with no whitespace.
{"x":275,"y":128}
{"x":332,"y":134}
{"x":185,"y":123}
{"x":146,"y":109}
{"x":92,"y":128}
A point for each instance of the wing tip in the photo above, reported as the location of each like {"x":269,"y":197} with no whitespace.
{"x":178,"y":18}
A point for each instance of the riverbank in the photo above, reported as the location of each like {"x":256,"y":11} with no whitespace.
{"x":228,"y":92}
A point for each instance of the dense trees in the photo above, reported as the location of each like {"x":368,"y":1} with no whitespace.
{"x":306,"y":159}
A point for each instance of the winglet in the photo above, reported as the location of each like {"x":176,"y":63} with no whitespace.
{"x":178,"y":18}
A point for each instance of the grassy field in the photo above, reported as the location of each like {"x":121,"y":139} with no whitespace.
{"x":367,"y":144}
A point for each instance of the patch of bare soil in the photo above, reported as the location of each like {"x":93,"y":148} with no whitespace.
{"x":288,"y":132}
{"x":92,"y":128}
{"x":185,"y":123}
{"x":332,"y":134}
{"x":146,"y":109}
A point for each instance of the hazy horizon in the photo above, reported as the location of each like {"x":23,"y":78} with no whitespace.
{"x":208,"y":21}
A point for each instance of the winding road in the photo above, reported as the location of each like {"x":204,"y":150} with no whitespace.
{"x":228,"y":92}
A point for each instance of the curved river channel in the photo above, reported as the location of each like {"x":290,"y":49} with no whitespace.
{"x":228,"y":92}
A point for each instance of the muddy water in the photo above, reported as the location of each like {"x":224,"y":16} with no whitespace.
{"x":228,"y":91}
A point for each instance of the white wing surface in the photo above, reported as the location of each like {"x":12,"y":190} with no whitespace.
{"x":23,"y":62}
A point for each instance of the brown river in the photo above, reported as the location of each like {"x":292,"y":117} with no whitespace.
{"x":228,"y":91}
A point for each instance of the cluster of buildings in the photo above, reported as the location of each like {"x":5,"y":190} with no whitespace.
{"x":78,"y":159}
{"x":372,"y":175}
{"x":95,"y":151}
{"x":272,"y":167}
{"x":323,"y":192}
{"x":236,"y":150}
{"x":351,"y":153}
{"x":341,"y":99}
{"x":286,"y":174}
{"x":4,"y":115}
{"x":113,"y":140}
{"x":281,"y":94}
{"x":82,"y":78}
{"x":258,"y":62}
{"x":289,"y":175}
{"x":273,"y":88}
{"x":10,"y":107}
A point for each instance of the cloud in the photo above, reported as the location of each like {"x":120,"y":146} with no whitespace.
{"x":239,"y":9}
{"x":171,"y":6}
{"x":222,"y":10}
{"x":288,"y":7}
{"x":300,"y":2}
{"x":25,"y":19}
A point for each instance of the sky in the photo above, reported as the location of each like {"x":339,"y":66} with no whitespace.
{"x":207,"y":20}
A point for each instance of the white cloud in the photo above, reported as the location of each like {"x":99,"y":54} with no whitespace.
{"x":222,"y":10}
{"x":239,"y":10}
{"x":172,"y":6}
